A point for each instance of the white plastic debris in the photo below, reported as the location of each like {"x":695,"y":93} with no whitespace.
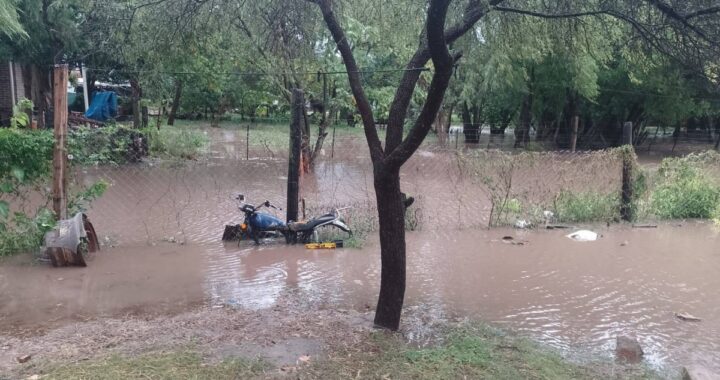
{"x":522,"y":224}
{"x":583,"y":235}
{"x":549,"y":215}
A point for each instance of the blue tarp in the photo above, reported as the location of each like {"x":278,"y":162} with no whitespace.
{"x":103,"y":106}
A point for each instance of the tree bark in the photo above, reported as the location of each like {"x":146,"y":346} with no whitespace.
{"x":175,"y":102}
{"x":391,"y":213}
{"x":40,"y":94}
{"x":145,"y":116}
{"x":522,"y":132}
{"x":471,"y":127}
{"x":387,"y":163}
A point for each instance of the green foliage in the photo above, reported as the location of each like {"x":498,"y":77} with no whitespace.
{"x":176,"y":142}
{"x":22,"y":233}
{"x":586,"y":207}
{"x":20,"y":118}
{"x":81,"y":201}
{"x":9,"y":24}
{"x":106,"y":145}
{"x":24,"y":162}
{"x":684,"y":191}
{"x":24,"y":156}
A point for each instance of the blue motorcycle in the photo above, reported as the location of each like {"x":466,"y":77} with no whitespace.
{"x":259,"y":225}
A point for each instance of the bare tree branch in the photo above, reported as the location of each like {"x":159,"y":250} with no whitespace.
{"x":547,"y":15}
{"x":443,"y":62}
{"x":702,"y":12}
{"x":363,"y":105}
{"x":672,"y":14}
{"x":474,"y":11}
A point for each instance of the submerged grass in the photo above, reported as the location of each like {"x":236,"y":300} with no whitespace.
{"x":176,"y":142}
{"x":471,"y":352}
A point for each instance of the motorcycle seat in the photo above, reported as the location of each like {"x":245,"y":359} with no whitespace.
{"x":310,"y":224}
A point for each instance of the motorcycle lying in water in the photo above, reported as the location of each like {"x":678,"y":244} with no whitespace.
{"x":260,"y":225}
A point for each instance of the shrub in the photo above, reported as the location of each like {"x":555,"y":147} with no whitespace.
{"x":684,"y":192}
{"x":24,"y":234}
{"x":24,"y":155}
{"x":108,"y":145}
{"x":25,"y":161}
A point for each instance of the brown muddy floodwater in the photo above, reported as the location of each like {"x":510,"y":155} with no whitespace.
{"x":574,"y":296}
{"x":161,"y":227}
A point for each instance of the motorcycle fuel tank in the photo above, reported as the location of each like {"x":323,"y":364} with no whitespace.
{"x":265,"y":222}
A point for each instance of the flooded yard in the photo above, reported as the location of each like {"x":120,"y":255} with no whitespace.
{"x":574,"y":296}
{"x":160,"y":226}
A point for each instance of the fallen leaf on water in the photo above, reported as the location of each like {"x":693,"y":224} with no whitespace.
{"x":687,"y":317}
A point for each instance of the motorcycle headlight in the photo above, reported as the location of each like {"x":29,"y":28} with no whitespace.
{"x":243,"y":227}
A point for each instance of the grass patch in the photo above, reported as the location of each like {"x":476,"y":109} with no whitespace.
{"x":471,"y":352}
{"x":684,"y":190}
{"x":170,"y":366}
{"x":586,"y":207}
{"x":176,"y":142}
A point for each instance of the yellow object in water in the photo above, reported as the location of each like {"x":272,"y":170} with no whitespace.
{"x":330,"y":245}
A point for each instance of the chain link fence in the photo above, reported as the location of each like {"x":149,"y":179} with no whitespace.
{"x":456,"y":186}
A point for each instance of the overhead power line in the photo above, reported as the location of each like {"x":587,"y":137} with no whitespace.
{"x":253,"y":73}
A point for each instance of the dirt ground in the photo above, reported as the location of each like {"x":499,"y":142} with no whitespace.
{"x":279,"y":335}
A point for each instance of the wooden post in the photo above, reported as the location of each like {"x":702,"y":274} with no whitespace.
{"x":86,"y":98}
{"x":575,"y":121}
{"x":247,"y":142}
{"x":293,"y":184}
{"x":626,"y":211}
{"x":60,"y":83}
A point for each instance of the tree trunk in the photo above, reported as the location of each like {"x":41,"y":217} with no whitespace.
{"x":40,"y":93}
{"x":391,"y":213}
{"x":176,"y":101}
{"x":440,"y":123}
{"x":522,"y":132}
{"x":468,"y":131}
{"x":145,"y":116}
{"x":136,"y":96}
